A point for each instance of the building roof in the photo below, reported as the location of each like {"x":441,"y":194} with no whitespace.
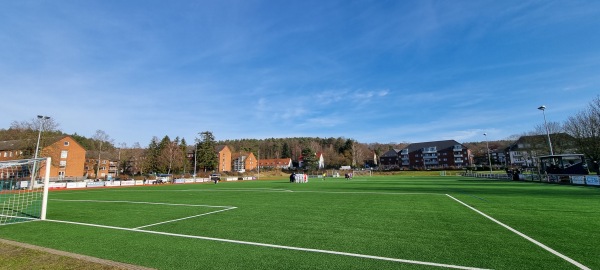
{"x":391,"y":153}
{"x":12,"y":145}
{"x":437,"y":144}
{"x":275,"y":161}
{"x":22,"y":144}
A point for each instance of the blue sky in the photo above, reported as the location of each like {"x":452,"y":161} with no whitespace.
{"x":374,"y":71}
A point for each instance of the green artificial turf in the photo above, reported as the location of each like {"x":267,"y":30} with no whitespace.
{"x":224,"y":226}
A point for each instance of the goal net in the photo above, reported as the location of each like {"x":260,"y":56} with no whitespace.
{"x":23,"y":191}
{"x":362,"y":173}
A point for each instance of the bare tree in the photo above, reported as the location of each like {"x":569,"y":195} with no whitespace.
{"x":585,"y":128}
{"x":171,"y":156}
{"x":100,"y":137}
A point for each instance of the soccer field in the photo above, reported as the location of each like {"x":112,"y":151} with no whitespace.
{"x":379,"y":222}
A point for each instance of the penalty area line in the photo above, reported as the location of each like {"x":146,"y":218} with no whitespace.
{"x":564,"y":257}
{"x":179,"y":219}
{"x":274,"y":246}
{"x":149,"y":203}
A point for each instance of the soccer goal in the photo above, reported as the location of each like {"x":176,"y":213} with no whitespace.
{"x":23,"y":191}
{"x":362,"y":173}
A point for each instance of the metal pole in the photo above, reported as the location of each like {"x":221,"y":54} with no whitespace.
{"x":195,"y":159}
{"x":42,"y":120}
{"x":488,"y":151}
{"x":37,"y":147}
{"x":543,"y":109}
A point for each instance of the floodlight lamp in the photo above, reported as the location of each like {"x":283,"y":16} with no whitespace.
{"x":40,"y":116}
{"x":542,"y":107}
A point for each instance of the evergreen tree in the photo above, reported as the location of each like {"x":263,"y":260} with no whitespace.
{"x":185,"y":162}
{"x":163,"y":160}
{"x":206,"y":156}
{"x":309,"y":159}
{"x":151,"y":160}
{"x":285,"y":151}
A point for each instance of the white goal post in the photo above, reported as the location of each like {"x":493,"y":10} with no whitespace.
{"x":24,"y":190}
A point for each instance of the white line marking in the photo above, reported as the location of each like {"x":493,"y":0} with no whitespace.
{"x":169,"y":221}
{"x":275,"y":246}
{"x":370,"y":192}
{"x":155,"y":203}
{"x":564,"y":257}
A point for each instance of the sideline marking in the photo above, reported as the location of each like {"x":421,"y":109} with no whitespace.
{"x":564,"y":257}
{"x":274,"y":246}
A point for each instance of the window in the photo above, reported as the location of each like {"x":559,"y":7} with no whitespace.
{"x":5,"y":154}
{"x":66,"y":143}
{"x":63,"y":163}
{"x":63,"y":154}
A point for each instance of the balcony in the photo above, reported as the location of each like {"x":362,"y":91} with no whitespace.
{"x":429,"y":150}
{"x":431,"y":162}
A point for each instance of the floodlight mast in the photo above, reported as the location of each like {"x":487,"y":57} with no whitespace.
{"x":488,"y":151}
{"x":543,"y":109}
{"x":42,"y":120}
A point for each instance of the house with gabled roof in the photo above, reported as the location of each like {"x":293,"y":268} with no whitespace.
{"x":319,"y":159}
{"x":242,"y":162}
{"x":67,"y":155}
{"x":390,"y":159}
{"x":275,"y":163}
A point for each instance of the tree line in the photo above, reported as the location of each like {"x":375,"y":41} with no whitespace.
{"x":168,"y":155}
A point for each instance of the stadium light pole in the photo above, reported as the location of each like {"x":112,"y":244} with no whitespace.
{"x":543,"y":109}
{"x":488,"y":151}
{"x":42,"y":120}
{"x":195,"y":160}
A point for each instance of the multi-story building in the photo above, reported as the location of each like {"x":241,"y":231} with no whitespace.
{"x":67,"y":156}
{"x":224,"y":156}
{"x":434,"y":155}
{"x":101,"y":172}
{"x":390,"y":160}
{"x":524,"y":151}
{"x":244,"y":162}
